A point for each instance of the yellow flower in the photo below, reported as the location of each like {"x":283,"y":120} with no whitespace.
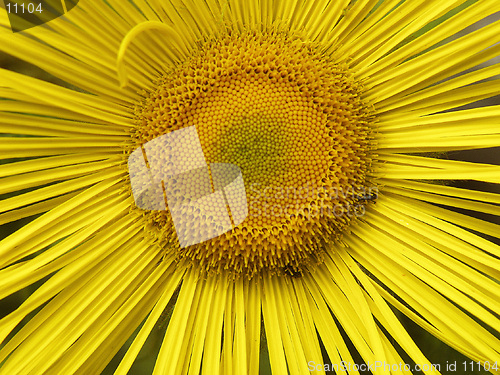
{"x":306,"y":204}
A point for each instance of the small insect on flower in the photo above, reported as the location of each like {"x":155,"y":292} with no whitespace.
{"x":369,"y":197}
{"x":292,"y":271}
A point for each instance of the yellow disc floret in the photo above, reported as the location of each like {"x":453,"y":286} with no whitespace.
{"x":292,"y":120}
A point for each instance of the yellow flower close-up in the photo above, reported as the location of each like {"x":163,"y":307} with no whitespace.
{"x":249,"y":187}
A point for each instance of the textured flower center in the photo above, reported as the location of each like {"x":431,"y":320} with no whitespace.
{"x":294,"y":123}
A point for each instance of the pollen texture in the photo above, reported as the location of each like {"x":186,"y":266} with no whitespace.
{"x":293,"y":121}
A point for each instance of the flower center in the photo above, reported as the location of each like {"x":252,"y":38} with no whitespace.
{"x":294,"y":123}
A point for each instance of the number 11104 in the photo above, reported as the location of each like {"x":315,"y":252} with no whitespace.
{"x":21,"y":8}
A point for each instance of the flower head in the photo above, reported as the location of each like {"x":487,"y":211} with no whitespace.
{"x":270,"y":172}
